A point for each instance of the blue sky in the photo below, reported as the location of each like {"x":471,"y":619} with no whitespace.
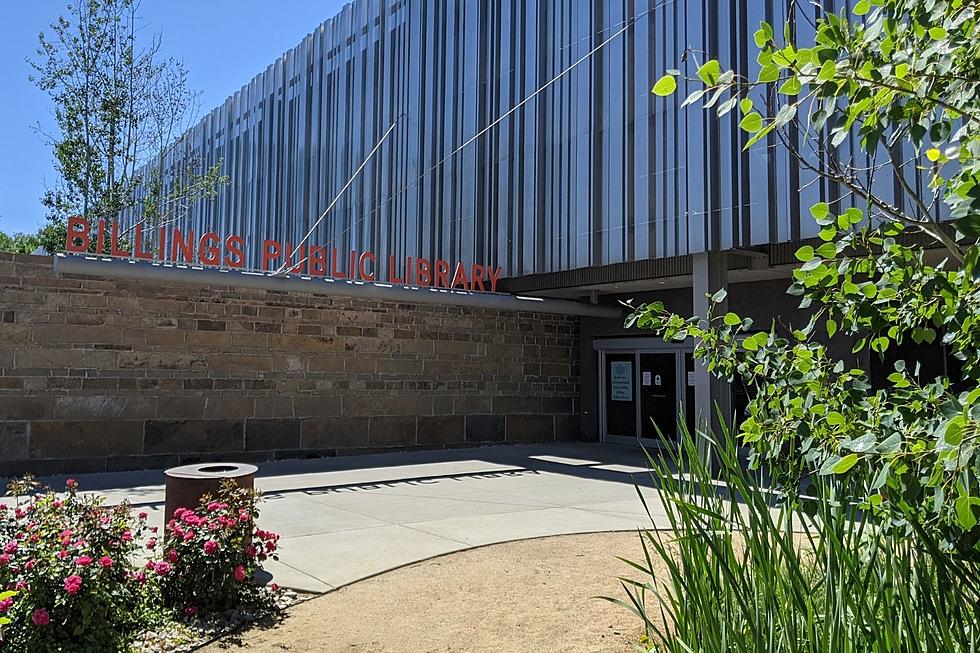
{"x":223,"y":43}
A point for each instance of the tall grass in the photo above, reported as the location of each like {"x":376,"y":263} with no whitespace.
{"x":740,"y":571}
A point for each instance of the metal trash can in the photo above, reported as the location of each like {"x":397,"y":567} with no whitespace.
{"x":186,"y":485}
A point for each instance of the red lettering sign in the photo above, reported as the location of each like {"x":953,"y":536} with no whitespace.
{"x":172,"y":245}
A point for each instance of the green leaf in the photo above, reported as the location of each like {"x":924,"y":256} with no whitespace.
{"x":719,"y":296}
{"x":731,"y":319}
{"x":745,"y":105}
{"x":834,"y":418}
{"x":937,"y":33}
{"x":805,"y":253}
{"x":827,"y":71}
{"x":845,"y":463}
{"x":763,"y":35}
{"x":751,"y":122}
{"x":964,"y":512}
{"x":665,"y":86}
{"x":820,"y":210}
{"x":953,"y":431}
{"x":827,"y":250}
{"x":831,"y":328}
{"x":862,"y":7}
{"x":791,"y":86}
{"x":769,"y":73}
{"x":709,"y":72}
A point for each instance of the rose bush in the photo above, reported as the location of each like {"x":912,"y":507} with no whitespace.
{"x":76,"y":575}
{"x":211,"y":553}
{"x":66,"y":573}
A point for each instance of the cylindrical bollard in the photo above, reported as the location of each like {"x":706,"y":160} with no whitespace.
{"x":187,"y":484}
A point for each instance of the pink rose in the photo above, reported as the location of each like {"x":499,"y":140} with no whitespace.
{"x":240,"y":574}
{"x":73,"y":584}
{"x":105,"y":562}
{"x":127,"y":536}
{"x":56,"y":503}
{"x":143,"y":515}
{"x":4,"y":559}
{"x":20,"y":585}
{"x":71,"y":484}
{"x":151,"y":543}
{"x":83,"y":561}
{"x":162,"y":568}
{"x":190,"y":611}
{"x":29,"y":565}
{"x":210,"y":547}
{"x":250,"y":551}
{"x":5,"y":605}
{"x":10,"y":547}
{"x":41,"y":617}
{"x":172,"y":556}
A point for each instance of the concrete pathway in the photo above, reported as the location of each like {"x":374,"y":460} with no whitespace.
{"x":344,"y":519}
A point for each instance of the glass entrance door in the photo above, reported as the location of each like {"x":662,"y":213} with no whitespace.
{"x":658,"y":396}
{"x":644,"y":390}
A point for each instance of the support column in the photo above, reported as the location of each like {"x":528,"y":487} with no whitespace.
{"x":710,"y":393}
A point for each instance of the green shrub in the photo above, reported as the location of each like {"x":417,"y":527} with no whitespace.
{"x":741,"y":571}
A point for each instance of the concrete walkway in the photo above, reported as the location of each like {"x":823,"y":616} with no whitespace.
{"x":344,"y":519}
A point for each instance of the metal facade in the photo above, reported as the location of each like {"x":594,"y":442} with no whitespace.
{"x":594,"y":170}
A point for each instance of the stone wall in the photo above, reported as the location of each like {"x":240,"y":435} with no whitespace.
{"x":107,"y":374}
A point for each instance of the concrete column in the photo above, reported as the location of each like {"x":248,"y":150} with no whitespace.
{"x":710,"y":393}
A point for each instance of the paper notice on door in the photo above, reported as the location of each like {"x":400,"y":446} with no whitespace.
{"x":621,"y":380}
{"x":690,"y":378}
{"x":647,"y":378}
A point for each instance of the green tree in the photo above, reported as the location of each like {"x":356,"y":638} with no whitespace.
{"x":903,"y":76}
{"x":120,"y":111}
{"x":19,"y":243}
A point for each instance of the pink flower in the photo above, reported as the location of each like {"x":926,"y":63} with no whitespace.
{"x":71,"y":484}
{"x":143,"y":515}
{"x":10,"y":547}
{"x":188,"y":536}
{"x":240,"y":574}
{"x":5,"y":605}
{"x":105,"y":562}
{"x":41,"y":617}
{"x":162,"y":568}
{"x":73,"y":584}
{"x":4,"y":559}
{"x":210,"y":547}
{"x":56,"y":503}
{"x":20,"y":585}
{"x":274,"y":587}
{"x":154,"y":529}
{"x":250,"y":551}
{"x":151,"y":543}
{"x":83,"y":561}
{"x":127,"y":536}
{"x":29,"y":565}
{"x":62,"y":554}
{"x":190,"y":611}
{"x":172,"y":556}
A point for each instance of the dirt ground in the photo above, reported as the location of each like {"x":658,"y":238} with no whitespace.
{"x":531,"y":595}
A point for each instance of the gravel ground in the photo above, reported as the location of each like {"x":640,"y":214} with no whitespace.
{"x":191,"y":633}
{"x":522,"y":596}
